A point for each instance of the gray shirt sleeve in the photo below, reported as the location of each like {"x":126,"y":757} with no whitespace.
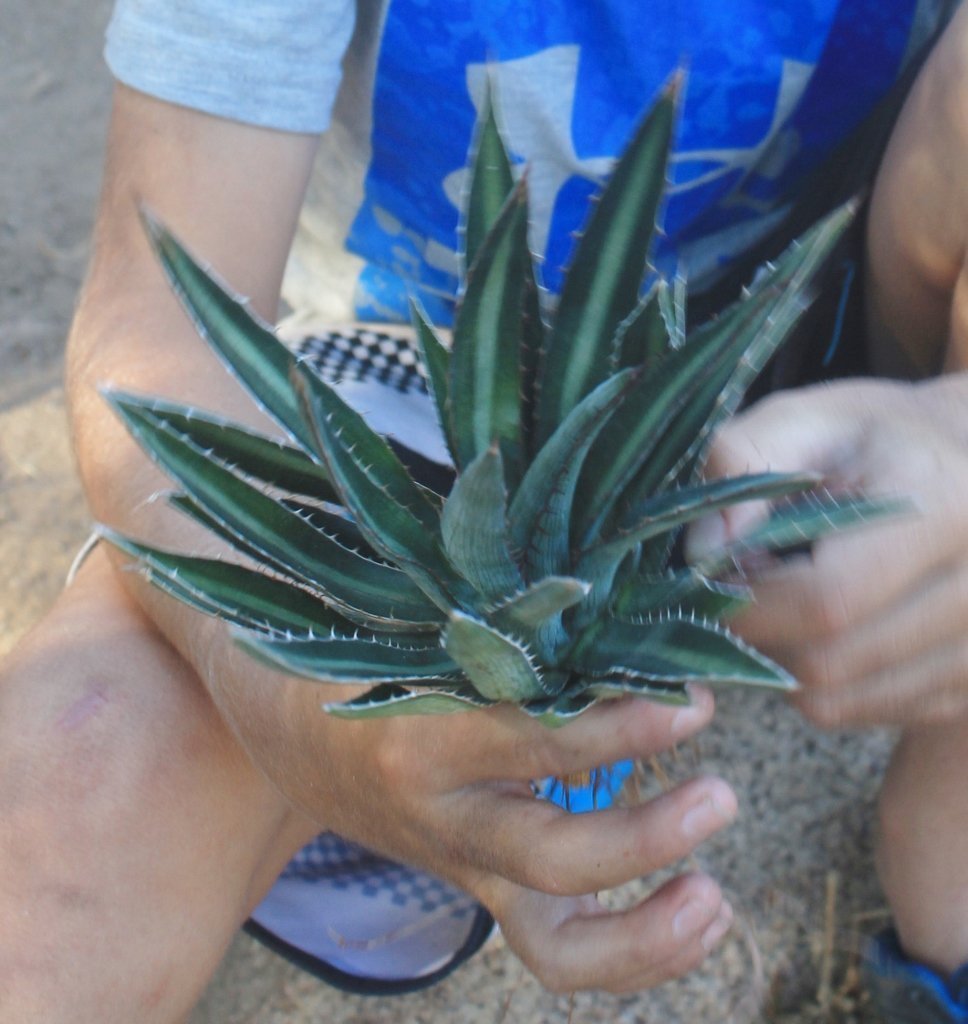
{"x":273,"y":63}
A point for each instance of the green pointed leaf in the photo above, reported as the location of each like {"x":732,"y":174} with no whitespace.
{"x":602,"y":285}
{"x":800,"y":522}
{"x":344,"y":531}
{"x":542,"y":600}
{"x":536,"y":614}
{"x":534,"y":339}
{"x":391,"y":511}
{"x":357,"y":660}
{"x":674,"y":650}
{"x":643,"y":337}
{"x":685,"y":593}
{"x":541,"y":509}
{"x":389,"y":699}
{"x":255,"y":455}
{"x":554,"y":712}
{"x":491,"y":181}
{"x":474,"y":527}
{"x":765,"y":318}
{"x":363,"y":590}
{"x":245,"y":344}
{"x":673,"y":509}
{"x":672,"y":309}
{"x":498,"y":666}
{"x":616,"y":687}
{"x":232,"y":592}
{"x":628,"y":442}
{"x":485,"y":381}
{"x":436,"y":361}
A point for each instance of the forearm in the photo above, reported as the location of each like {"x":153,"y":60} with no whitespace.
{"x":232,"y":193}
{"x":916,"y":268}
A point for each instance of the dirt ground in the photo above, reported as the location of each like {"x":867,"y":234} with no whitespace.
{"x":799,"y":862}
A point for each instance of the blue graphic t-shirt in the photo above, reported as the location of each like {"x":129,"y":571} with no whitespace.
{"x":772,"y":88}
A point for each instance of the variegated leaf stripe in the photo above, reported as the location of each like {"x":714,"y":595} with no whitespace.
{"x":380,"y":594}
{"x":389,"y":699}
{"x":355,"y":660}
{"x":674,"y":650}
{"x":602,"y":285}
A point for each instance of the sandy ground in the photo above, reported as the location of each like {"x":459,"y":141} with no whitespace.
{"x":798,"y":864}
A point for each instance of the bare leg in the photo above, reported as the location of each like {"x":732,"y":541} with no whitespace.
{"x":923,"y":854}
{"x":135,"y":835}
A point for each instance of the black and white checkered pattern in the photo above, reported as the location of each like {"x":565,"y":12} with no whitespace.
{"x":363,"y":354}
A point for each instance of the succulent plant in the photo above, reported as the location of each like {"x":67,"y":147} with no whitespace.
{"x":545,"y":577}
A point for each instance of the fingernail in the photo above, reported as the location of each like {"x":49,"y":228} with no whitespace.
{"x":687,"y":720}
{"x":712,"y":812}
{"x":689,"y":918}
{"x":715,"y":932}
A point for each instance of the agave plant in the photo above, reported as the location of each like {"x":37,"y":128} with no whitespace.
{"x":545,"y":577}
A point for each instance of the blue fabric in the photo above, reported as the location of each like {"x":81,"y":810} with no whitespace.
{"x":772,"y":88}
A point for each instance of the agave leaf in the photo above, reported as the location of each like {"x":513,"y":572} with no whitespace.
{"x":674,"y":650}
{"x":187,"y":505}
{"x":537,"y":614}
{"x":532,"y":607}
{"x":800,"y":522}
{"x":389,"y":508}
{"x":672,"y":309}
{"x":534,"y":339}
{"x":339,"y":659}
{"x":672,"y":509}
{"x":686,"y":593}
{"x":499,"y":666}
{"x":554,"y":712}
{"x":344,"y":531}
{"x":485,"y":380}
{"x":371,"y":592}
{"x":391,"y":699}
{"x":436,"y":360}
{"x":474,"y":527}
{"x":491,"y":181}
{"x":264,"y":458}
{"x":245,"y":344}
{"x":238,"y":595}
{"x":767,"y":318}
{"x":541,"y":508}
{"x":628,"y":442}
{"x":611,"y":688}
{"x":602,"y":285}
{"x":655,"y":519}
{"x":643,"y":336}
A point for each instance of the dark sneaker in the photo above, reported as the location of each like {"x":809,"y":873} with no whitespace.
{"x":905,"y":992}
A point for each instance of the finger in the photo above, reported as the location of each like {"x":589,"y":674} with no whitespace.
{"x":930,"y":688}
{"x":847,"y":579}
{"x":503,"y":743}
{"x":576,"y":944}
{"x":542,"y":847}
{"x":818,"y":429}
{"x":932,"y":616}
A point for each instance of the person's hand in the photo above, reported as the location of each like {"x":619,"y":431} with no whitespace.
{"x":873,"y":622}
{"x":452,"y":795}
